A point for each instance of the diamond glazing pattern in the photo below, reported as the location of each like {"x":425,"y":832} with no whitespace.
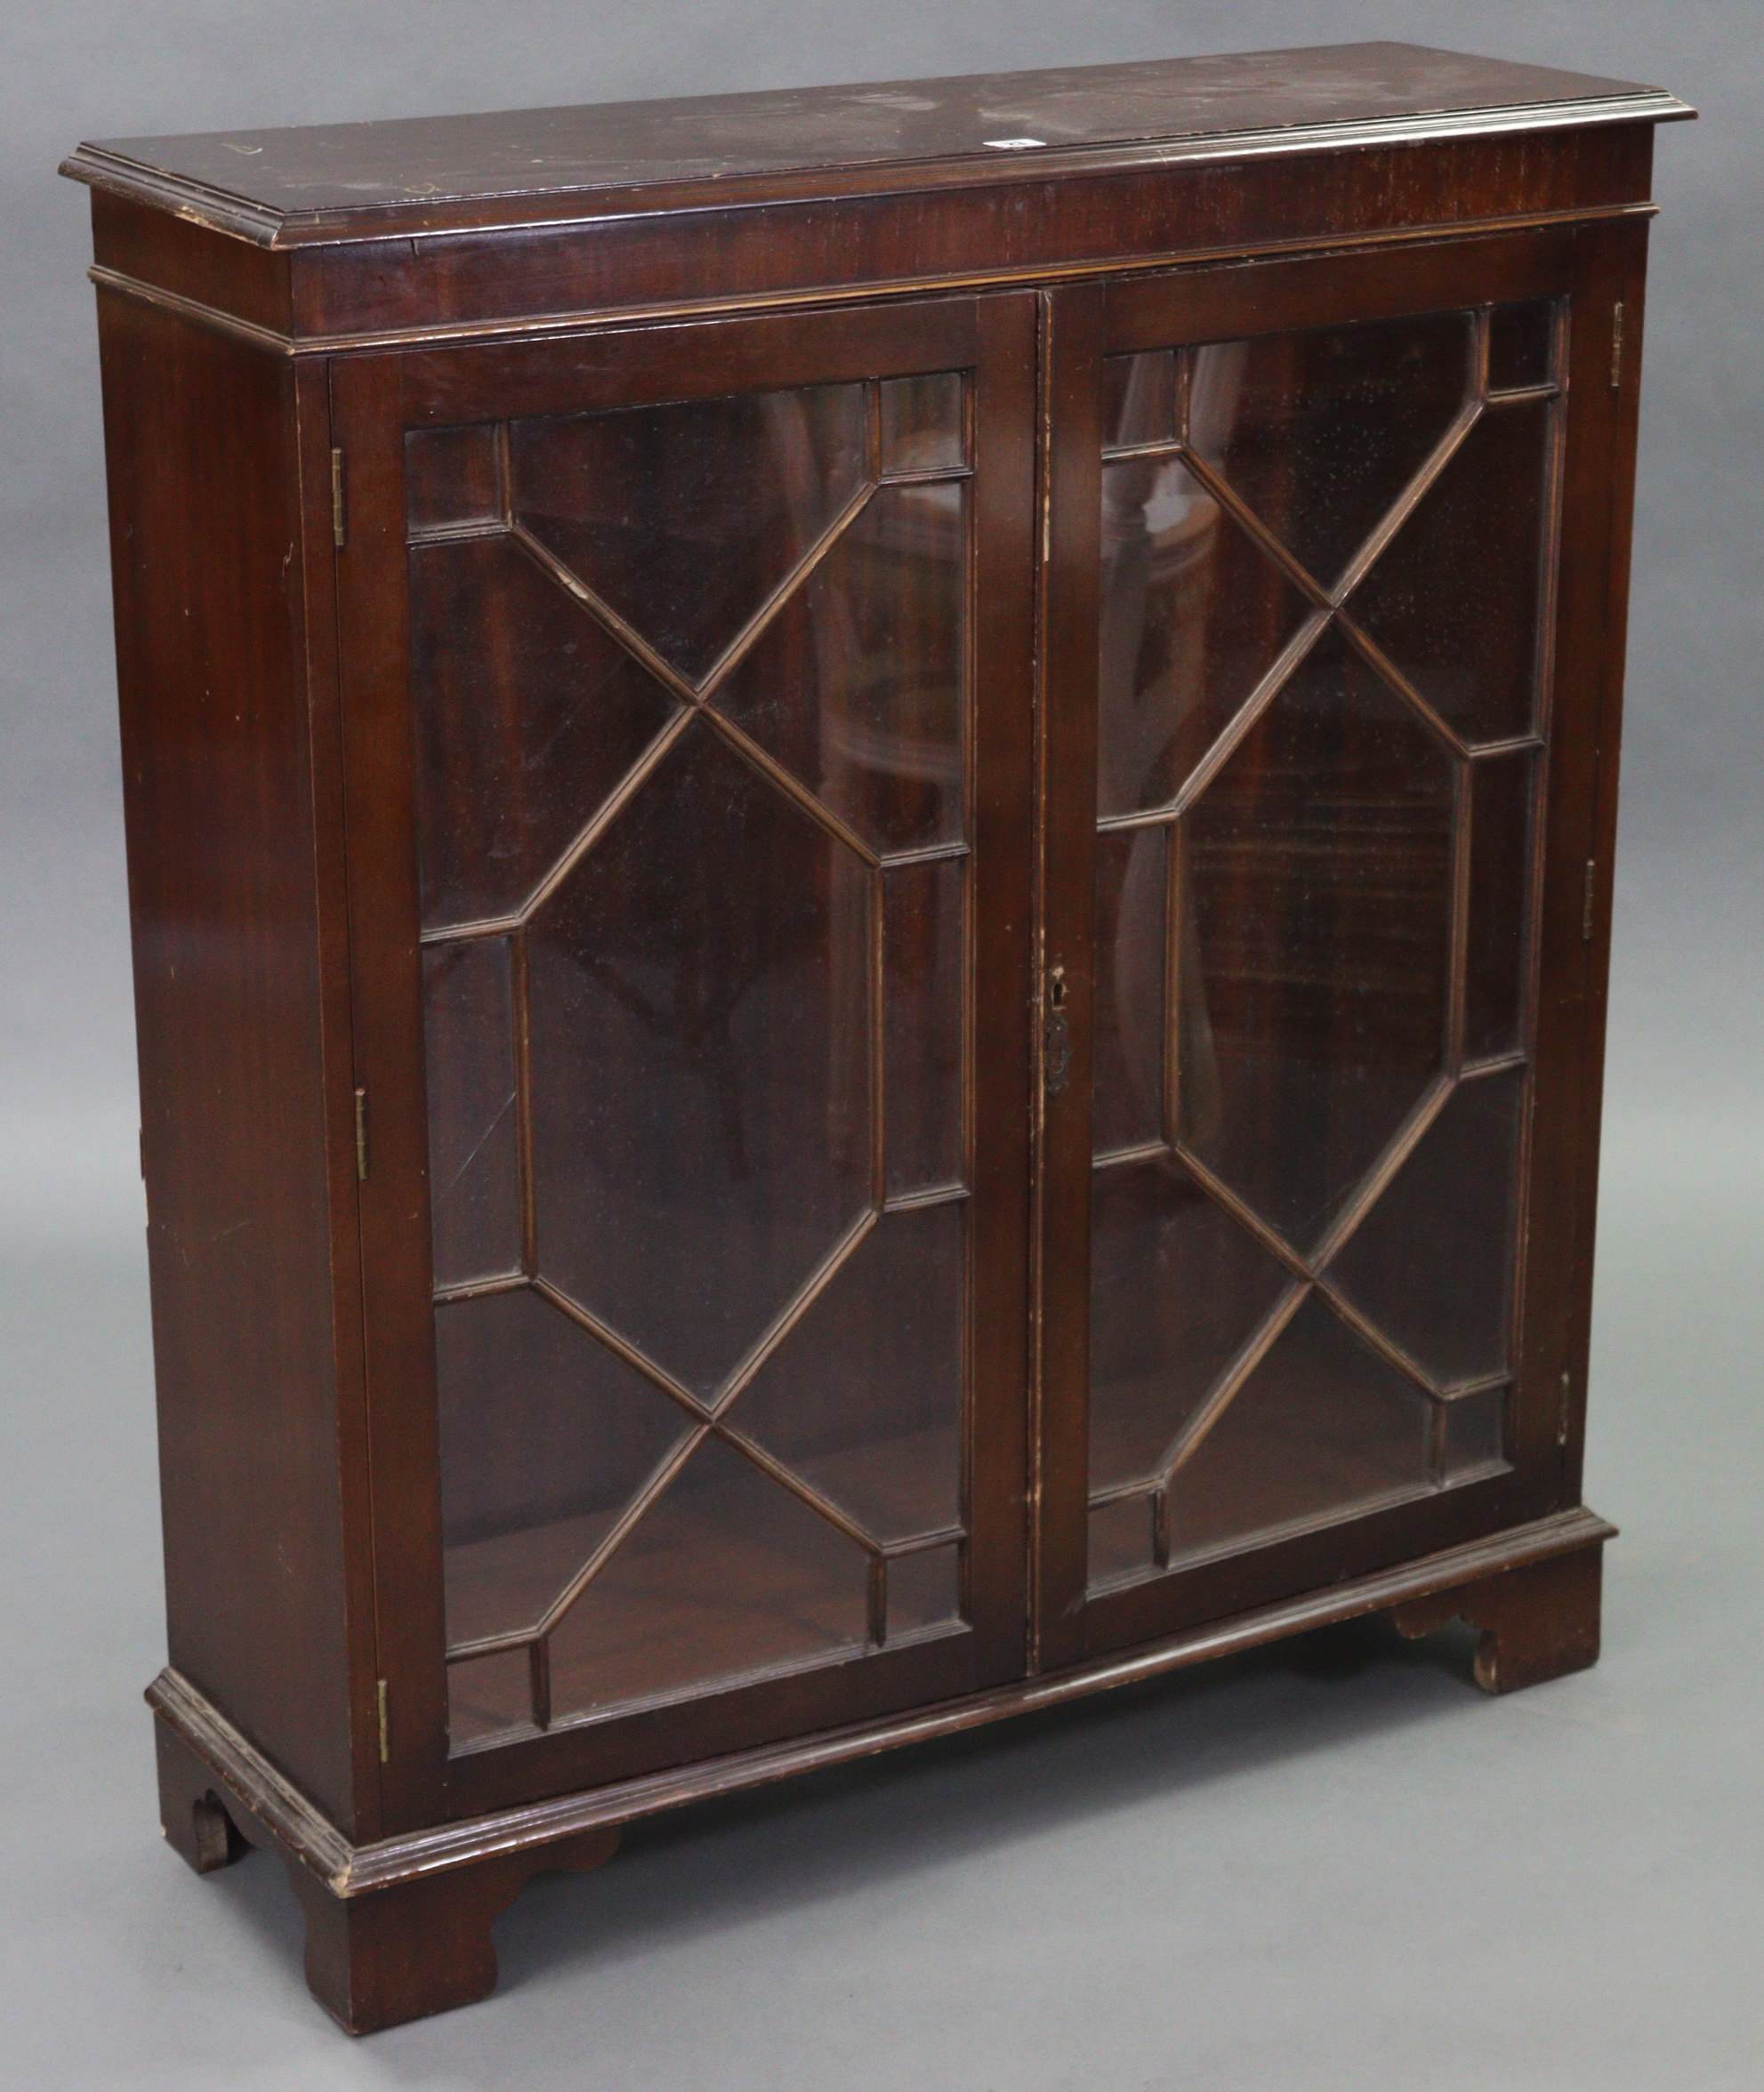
{"x":1324,"y":656}
{"x":693,"y":853}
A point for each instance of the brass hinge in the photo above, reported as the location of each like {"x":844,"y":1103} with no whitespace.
{"x":361,"y":1135}
{"x":1562,"y":1414}
{"x":1587,"y":899}
{"x":385,"y":1753}
{"x":1616,"y":345}
{"x":339,"y":531}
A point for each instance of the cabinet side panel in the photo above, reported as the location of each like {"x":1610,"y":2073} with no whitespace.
{"x":208,"y":575}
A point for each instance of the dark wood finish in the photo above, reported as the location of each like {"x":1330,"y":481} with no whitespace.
{"x":347,"y":180}
{"x":401,"y":1929}
{"x":1613,"y":274}
{"x":544,"y":279}
{"x":1538,"y":1622}
{"x":422,"y":1945}
{"x":1071,"y":492}
{"x":250,"y":1225}
{"x":993,"y":233}
{"x":377,"y":1956}
{"x":193,"y":1817}
{"x":183,"y":261}
{"x":313,"y":391}
{"x":237,"y":1769}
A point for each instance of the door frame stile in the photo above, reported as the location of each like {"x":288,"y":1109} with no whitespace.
{"x":1068,"y":583}
{"x":398,"y":1331}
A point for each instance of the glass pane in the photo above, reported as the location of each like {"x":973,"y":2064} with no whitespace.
{"x":1454,"y":601}
{"x":1193,"y":617}
{"x":1120,"y":1538}
{"x":545,"y":1438}
{"x":857,"y":687}
{"x":924,"y":1590}
{"x":474,"y":1162}
{"x":701,"y":1062}
{"x":1138,"y":399}
{"x":1127,"y":1033}
{"x":863,"y":1399}
{"x":1432,"y":1264}
{"x":1502,"y":790}
{"x":1320,"y":432}
{"x":684,"y":519}
{"x":1304,"y":903}
{"x":487,"y":1697}
{"x":1177,"y":1290}
{"x":1314,"y":972}
{"x":921,"y":422}
{"x":451,"y":478}
{"x":1475,"y":1436}
{"x":728,"y":1577}
{"x":1322,"y":1427}
{"x":705,"y":1035}
{"x":1521,"y":345}
{"x":923,"y":964}
{"x":526,"y":716}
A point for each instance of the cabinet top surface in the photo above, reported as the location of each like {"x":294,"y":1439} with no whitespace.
{"x":326,"y":182}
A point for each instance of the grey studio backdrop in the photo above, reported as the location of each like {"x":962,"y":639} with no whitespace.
{"x":1335,"y":1865}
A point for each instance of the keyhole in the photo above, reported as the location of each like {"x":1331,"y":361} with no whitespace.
{"x":1057,"y":1059}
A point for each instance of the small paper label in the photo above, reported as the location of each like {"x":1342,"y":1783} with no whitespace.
{"x":1011,"y":144}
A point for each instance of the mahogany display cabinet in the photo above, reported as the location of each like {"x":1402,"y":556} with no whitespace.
{"x":869,"y":840}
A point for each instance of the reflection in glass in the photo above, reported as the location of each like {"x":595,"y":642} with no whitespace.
{"x":921,"y":425}
{"x":526,"y":716}
{"x":1320,"y":432}
{"x":1521,"y":345}
{"x":857,"y":687}
{"x":863,"y":1399}
{"x":1138,"y":399}
{"x":475,"y":1166}
{"x":1475,"y":1435}
{"x":924,"y":1590}
{"x":683,"y":519}
{"x":1276,"y":1024}
{"x":489,"y":1697}
{"x":1322,"y":1429}
{"x":545,"y":1439}
{"x":1503,"y":788}
{"x":923,"y":963}
{"x":1455,"y":599}
{"x":1320,"y":868}
{"x":1120,"y":1538}
{"x":1432,"y":1264}
{"x":1193,"y":617}
{"x":1127,"y":1028}
{"x":451,"y":478}
{"x":728,"y":1577}
{"x":713,"y":987}
{"x":699,"y":1000}
{"x":1178,"y":1290}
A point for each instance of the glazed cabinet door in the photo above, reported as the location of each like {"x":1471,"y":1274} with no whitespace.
{"x":1328,"y":544}
{"x":687,"y":683}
